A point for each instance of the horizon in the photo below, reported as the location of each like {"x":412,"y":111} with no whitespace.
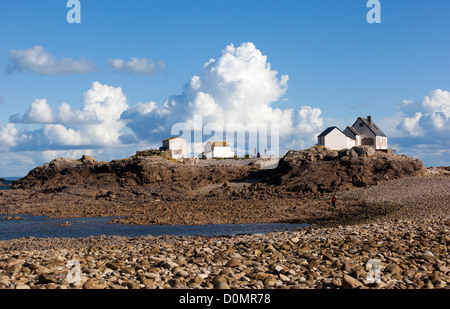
{"x":121,"y":76}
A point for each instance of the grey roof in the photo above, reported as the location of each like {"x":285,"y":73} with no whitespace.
{"x":328,"y":130}
{"x":353,"y":130}
{"x":373,"y":127}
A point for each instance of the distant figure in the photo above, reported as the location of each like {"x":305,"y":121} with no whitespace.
{"x":333,"y":202}
{"x":258,"y":155}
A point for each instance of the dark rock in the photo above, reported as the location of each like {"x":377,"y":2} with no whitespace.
{"x":358,"y":167}
{"x":46,"y":279}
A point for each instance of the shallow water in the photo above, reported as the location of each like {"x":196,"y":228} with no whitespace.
{"x":8,"y":182}
{"x":42,"y":227}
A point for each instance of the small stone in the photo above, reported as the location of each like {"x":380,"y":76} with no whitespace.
{"x":295,"y":240}
{"x":380,"y":285}
{"x":393,"y":269}
{"x":4,"y":281}
{"x":284,"y":278}
{"x":22,"y":286}
{"x":113,"y":266}
{"x":41,"y":270}
{"x":182,"y":273}
{"x":350,"y":283}
{"x":270,"y":281}
{"x":14,"y":268}
{"x":444,"y":269}
{"x":221,"y":286}
{"x":328,"y":257}
{"x":148,"y":283}
{"x":199,"y":279}
{"x":46,"y":279}
{"x":259,"y":284}
{"x":90,"y":284}
{"x":233,"y":263}
{"x":428,"y":256}
{"x":218,"y":279}
{"x":278,"y":269}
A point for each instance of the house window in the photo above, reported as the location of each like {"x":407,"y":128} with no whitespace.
{"x":367,"y":141}
{"x":361,"y":124}
{"x":177,"y":152}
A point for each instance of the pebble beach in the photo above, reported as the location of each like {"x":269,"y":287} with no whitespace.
{"x":409,"y":247}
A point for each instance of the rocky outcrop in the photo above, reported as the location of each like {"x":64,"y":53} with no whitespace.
{"x":152,"y":189}
{"x":142,"y":169}
{"x":319,"y":169}
{"x":315,"y":170}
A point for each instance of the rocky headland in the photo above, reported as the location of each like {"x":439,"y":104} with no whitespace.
{"x":151,"y":188}
{"x":390,"y":208}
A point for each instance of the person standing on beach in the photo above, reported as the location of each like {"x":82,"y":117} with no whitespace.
{"x":333,"y":202}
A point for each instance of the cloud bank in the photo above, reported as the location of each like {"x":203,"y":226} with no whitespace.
{"x":38,"y":60}
{"x":238,"y":87}
{"x":96,"y":124}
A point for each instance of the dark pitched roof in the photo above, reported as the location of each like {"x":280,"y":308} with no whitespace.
{"x":328,"y":130}
{"x":372,"y":127}
{"x":353,"y":130}
{"x":171,"y":138}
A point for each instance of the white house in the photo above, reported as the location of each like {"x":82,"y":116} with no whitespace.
{"x":370,"y":133}
{"x":176,"y":146}
{"x":364,"y":132}
{"x":335,"y":139}
{"x":217,"y":150}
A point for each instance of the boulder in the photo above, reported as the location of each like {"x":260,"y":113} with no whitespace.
{"x":88,"y":159}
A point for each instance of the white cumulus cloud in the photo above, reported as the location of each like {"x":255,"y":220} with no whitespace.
{"x":38,"y":112}
{"x":420,"y":128}
{"x":431,"y":116}
{"x":96,"y":124}
{"x":240,"y":87}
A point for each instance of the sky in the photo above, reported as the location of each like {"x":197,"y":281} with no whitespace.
{"x":118,"y":81}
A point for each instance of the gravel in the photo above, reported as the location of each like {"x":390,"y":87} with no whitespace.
{"x":408,"y":246}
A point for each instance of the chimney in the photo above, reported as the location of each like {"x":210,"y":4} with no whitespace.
{"x":369,"y":119}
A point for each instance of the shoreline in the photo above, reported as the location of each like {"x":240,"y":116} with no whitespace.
{"x":412,"y":254}
{"x":403,"y":224}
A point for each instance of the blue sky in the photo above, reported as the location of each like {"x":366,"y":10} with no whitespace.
{"x":337,"y":64}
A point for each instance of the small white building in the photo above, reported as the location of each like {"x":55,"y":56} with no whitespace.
{"x":335,"y":139}
{"x":176,"y":146}
{"x":217,"y":150}
{"x":364,"y":132}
